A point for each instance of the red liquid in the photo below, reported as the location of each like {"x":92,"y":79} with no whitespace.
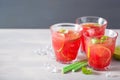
{"x":99,"y":57}
{"x":110,"y":43}
{"x":97,"y":30}
{"x":99,"y":54}
{"x":66,"y":45}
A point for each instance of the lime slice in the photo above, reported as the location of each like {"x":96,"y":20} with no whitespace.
{"x":62,"y":30}
{"x":99,"y":52}
{"x":58,"y":40}
{"x":97,"y":25}
{"x":86,"y":71}
{"x":116,"y":54}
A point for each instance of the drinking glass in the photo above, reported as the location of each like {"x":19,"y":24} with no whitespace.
{"x":97,"y":24}
{"x":66,"y":39}
{"x":99,"y":49}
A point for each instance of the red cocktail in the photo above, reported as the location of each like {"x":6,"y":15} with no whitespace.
{"x":97,"y":24}
{"x":100,"y":49}
{"x":66,"y":39}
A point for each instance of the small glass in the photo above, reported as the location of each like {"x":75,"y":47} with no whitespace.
{"x":99,"y":49}
{"x":66,"y":39}
{"x":98,"y":24}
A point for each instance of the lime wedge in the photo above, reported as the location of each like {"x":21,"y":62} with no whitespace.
{"x":116,"y":54}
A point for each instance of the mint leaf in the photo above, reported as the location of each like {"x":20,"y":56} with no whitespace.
{"x":86,"y":70}
{"x":95,"y":41}
{"x":103,"y":39}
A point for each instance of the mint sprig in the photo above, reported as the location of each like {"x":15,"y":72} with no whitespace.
{"x":95,"y":41}
{"x":101,"y":40}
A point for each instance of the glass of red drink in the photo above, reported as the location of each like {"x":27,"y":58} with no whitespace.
{"x":100,"y":49}
{"x":66,"y":39}
{"x":97,"y":24}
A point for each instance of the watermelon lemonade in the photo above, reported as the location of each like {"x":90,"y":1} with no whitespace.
{"x":66,"y":39}
{"x":97,"y":24}
{"x":99,"y":49}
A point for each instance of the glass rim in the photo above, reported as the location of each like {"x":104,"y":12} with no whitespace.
{"x":115,"y":36}
{"x":91,"y":17}
{"x":62,"y":25}
{"x":116,"y":33}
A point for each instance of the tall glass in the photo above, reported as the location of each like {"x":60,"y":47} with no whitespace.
{"x":99,"y":49}
{"x":97,"y":24}
{"x":66,"y":39}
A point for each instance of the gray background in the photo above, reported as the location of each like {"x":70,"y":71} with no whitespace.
{"x":43,"y":13}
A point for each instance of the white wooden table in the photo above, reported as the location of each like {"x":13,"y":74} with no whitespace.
{"x":20,"y":61}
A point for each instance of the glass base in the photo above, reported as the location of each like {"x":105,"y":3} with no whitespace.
{"x":64,"y":62}
{"x":100,"y":69}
